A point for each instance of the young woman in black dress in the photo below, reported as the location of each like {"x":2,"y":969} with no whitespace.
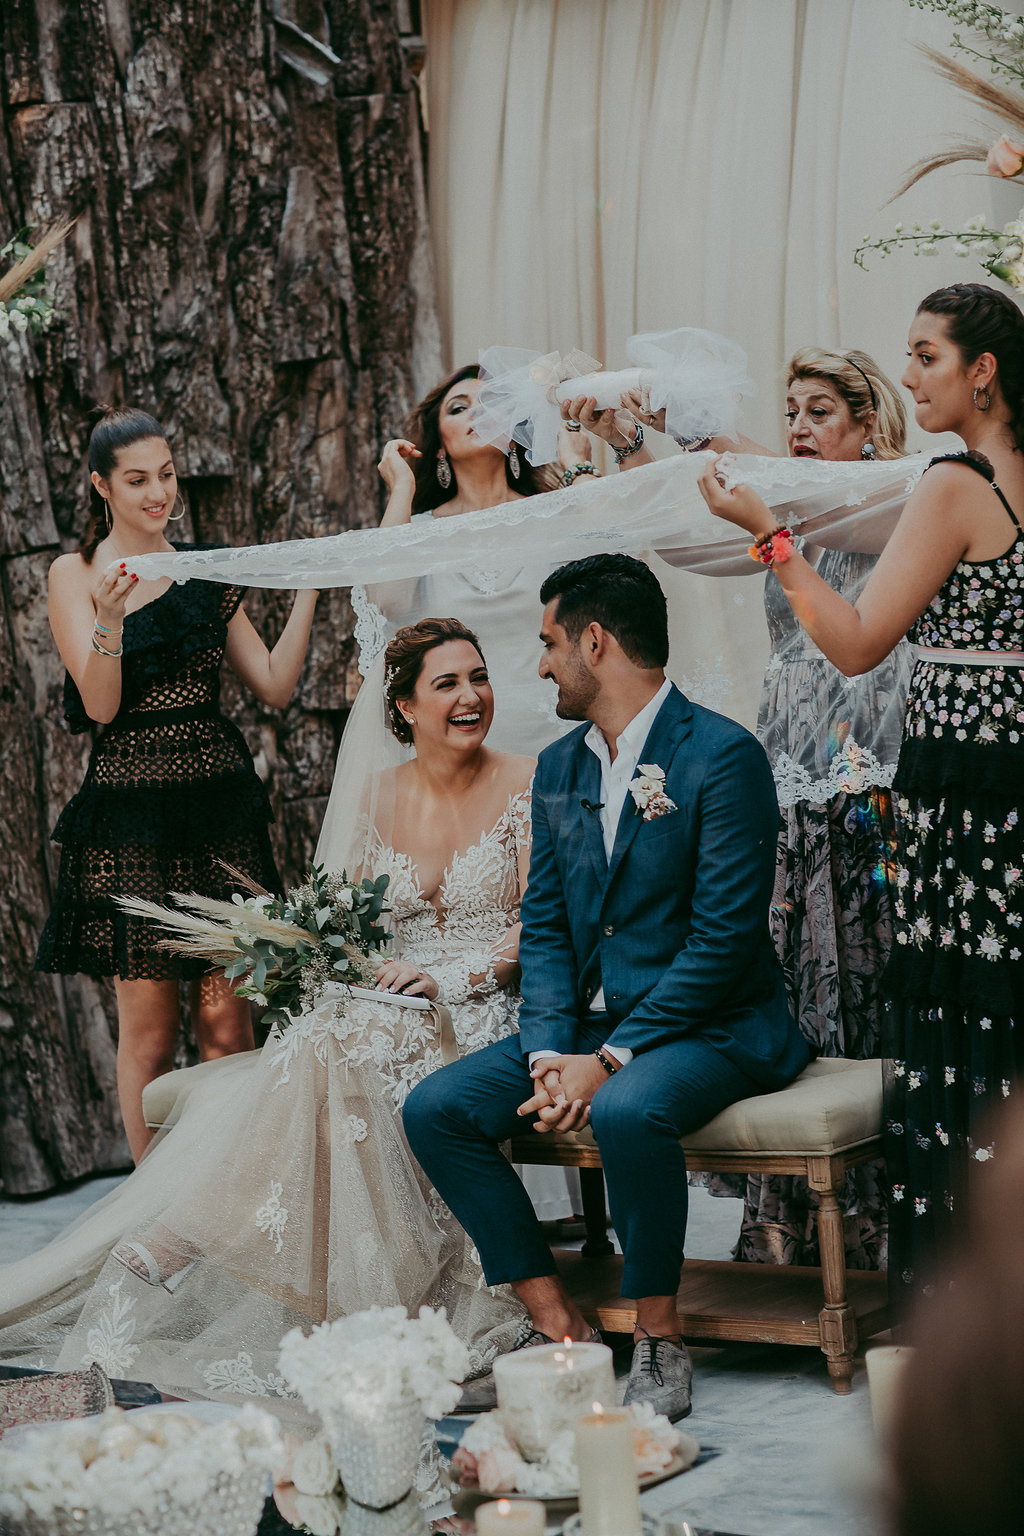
{"x":170,"y":788}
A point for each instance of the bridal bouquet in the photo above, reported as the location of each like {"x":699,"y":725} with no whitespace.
{"x":284,"y":950}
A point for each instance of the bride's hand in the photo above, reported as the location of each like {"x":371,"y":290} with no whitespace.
{"x":394,"y":467}
{"x":741,"y":505}
{"x":400,"y":976}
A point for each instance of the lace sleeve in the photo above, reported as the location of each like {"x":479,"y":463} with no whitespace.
{"x":520,"y":815}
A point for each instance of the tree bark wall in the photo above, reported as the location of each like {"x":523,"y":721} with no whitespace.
{"x":250,"y":264}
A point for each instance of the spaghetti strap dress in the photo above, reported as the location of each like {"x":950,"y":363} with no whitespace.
{"x":954,"y":1021}
{"x":169,"y":791}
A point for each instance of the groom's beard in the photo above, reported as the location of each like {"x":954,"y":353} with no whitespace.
{"x":576,"y":692}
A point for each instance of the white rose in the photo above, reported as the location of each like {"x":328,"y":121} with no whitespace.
{"x":313,"y":1469}
{"x":321,"y":1515}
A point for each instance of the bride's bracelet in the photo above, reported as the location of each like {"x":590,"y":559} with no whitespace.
{"x":584,"y":467}
{"x":630,"y":448}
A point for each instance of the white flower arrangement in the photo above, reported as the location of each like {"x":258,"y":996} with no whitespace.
{"x":379,"y":1357}
{"x":648,"y":791}
{"x":128,"y":1465}
{"x":489,"y":1459}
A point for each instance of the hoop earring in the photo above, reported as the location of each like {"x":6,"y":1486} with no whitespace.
{"x":444,"y":470}
{"x":176,"y":517}
{"x":981,"y":390}
{"x":867,"y":450}
{"x":513,"y":461}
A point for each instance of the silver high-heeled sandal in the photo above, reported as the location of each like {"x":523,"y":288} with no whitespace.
{"x":124,"y":1253}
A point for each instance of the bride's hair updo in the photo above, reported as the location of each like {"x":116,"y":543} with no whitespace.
{"x":858,"y":380}
{"x":423,"y":427}
{"x":981,"y":320}
{"x":403,"y":663}
{"x":118,"y":427}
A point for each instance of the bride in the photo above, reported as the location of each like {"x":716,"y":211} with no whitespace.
{"x":285,"y":1193}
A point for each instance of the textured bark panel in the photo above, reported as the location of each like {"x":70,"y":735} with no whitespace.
{"x":248,"y":264}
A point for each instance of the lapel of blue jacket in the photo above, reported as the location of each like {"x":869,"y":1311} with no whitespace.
{"x":672,"y":724}
{"x":588,"y":783}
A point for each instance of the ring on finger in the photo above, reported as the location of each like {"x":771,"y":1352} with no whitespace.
{"x":572,"y":425}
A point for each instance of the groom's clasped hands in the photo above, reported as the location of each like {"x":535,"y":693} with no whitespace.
{"x":565,"y":1087}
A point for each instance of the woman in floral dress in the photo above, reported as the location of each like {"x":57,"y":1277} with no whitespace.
{"x":953,"y":576}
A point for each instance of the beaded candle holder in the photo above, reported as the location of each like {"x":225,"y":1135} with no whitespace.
{"x":544,"y":1390}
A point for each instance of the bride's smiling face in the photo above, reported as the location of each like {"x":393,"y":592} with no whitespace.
{"x":452,"y":703}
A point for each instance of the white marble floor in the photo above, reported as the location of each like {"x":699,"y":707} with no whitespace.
{"x":792,"y":1456}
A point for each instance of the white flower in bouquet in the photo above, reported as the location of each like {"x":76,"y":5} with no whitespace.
{"x":313,"y":1470}
{"x":377,"y":1358}
{"x":322,"y":1515}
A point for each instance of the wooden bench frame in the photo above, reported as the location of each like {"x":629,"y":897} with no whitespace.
{"x":723,"y":1299}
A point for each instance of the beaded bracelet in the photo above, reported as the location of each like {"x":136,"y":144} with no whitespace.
{"x":606,"y":1062}
{"x":630,"y":448}
{"x":690,"y":444}
{"x":103,"y":629}
{"x":101,"y":652}
{"x":584,"y":467}
{"x":772,"y":548}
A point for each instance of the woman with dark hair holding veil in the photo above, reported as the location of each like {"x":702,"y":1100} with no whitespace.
{"x":952,"y":574}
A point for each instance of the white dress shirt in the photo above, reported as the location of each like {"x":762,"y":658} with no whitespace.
{"x":615,"y":781}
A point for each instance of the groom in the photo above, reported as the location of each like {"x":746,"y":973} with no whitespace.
{"x":652,"y":997}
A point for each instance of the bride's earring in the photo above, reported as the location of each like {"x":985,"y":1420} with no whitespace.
{"x":867,"y":450}
{"x":444,"y":470}
{"x":176,"y":517}
{"x":513,"y":461}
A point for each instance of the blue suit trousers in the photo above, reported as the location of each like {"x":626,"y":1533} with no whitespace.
{"x":457,"y":1118}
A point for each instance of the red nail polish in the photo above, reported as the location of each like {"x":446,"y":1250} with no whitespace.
{"x":134,"y":577}
{"x":123,"y":566}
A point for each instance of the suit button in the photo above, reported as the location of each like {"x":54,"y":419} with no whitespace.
{"x":609,"y":929}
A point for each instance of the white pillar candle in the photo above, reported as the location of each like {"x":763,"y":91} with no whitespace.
{"x":544,"y":1390}
{"x":887,"y":1364}
{"x":524,"y":1517}
{"x":609,"y":1492}
{"x":606,"y":388}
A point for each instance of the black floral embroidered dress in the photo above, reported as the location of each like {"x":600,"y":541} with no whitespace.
{"x":954,"y":1023}
{"x":170,"y":788}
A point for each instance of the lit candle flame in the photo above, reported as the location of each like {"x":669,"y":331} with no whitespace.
{"x":504,"y":1507}
{"x":597,"y":1408}
{"x":567,"y":1342}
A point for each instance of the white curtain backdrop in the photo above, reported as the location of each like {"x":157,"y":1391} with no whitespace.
{"x":599,"y":167}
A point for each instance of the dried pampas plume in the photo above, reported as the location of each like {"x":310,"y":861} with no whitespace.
{"x":29,"y":265}
{"x":1005,"y":104}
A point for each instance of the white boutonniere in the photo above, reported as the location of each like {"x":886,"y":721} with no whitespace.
{"x":648,"y":791}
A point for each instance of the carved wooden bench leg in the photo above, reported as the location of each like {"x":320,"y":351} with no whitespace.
{"x":597,"y":1244}
{"x":837,"y":1320}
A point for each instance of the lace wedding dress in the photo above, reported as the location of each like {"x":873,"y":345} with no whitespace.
{"x":288,"y":1181}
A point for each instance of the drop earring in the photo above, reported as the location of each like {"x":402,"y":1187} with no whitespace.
{"x":176,"y":517}
{"x":444,"y":470}
{"x":867,"y":450}
{"x":106,"y":514}
{"x":513,"y":461}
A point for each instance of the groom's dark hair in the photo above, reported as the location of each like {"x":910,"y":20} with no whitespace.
{"x":622,"y":595}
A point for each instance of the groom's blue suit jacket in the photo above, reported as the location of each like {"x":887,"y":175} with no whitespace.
{"x":675,"y":924}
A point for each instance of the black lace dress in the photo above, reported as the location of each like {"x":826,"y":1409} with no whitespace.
{"x":170,"y":789}
{"x":954,"y":1022}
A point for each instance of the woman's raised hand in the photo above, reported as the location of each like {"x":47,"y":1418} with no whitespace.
{"x":638,"y":404}
{"x":616,"y":427}
{"x":394,"y":467}
{"x":400,"y":976}
{"x":741,"y":505}
{"x":111,"y":592}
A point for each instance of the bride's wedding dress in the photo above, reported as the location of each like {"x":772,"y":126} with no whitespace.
{"x":287,"y":1179}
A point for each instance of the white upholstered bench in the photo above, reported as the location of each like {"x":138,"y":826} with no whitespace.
{"x":827,"y":1121}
